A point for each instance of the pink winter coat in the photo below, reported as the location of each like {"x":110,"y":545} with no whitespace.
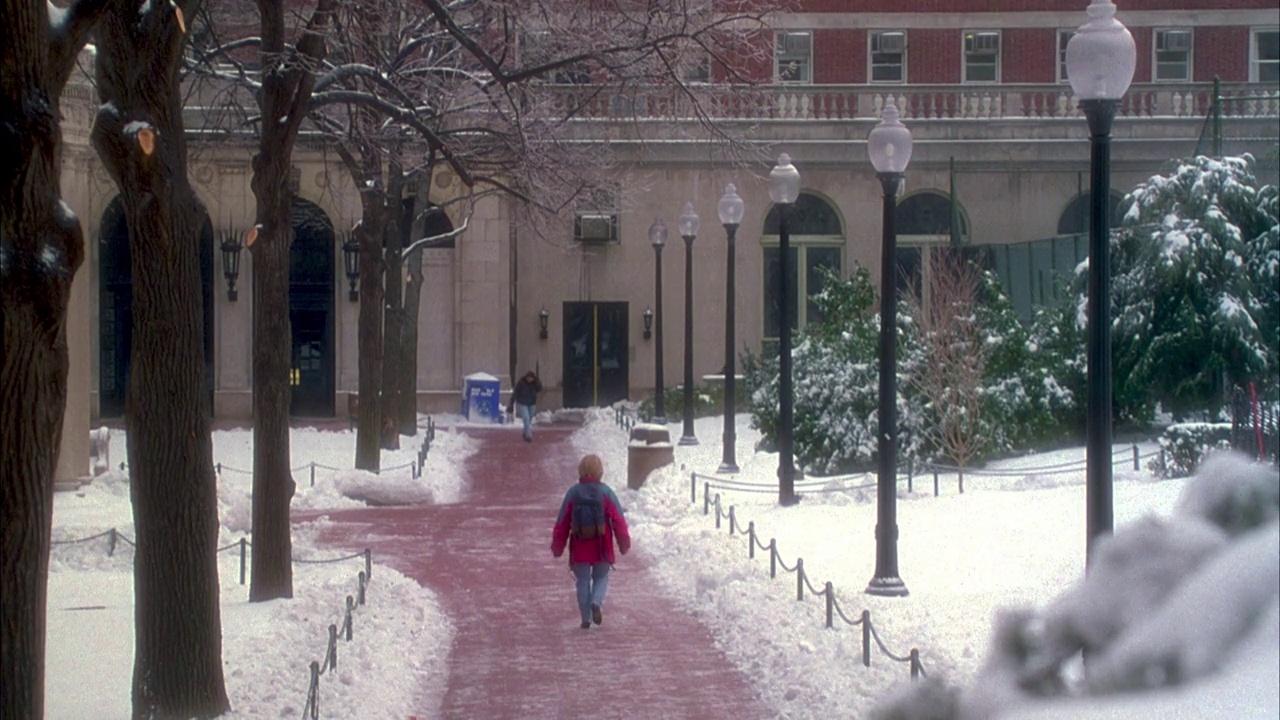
{"x":593,"y":550}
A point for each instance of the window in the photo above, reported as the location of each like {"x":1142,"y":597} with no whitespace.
{"x":1064,"y":37}
{"x":596,"y":218}
{"x":542,"y":47}
{"x":817,"y":243}
{"x":696,"y":69}
{"x":1173,"y":55}
{"x":793,"y":57}
{"x":1264,"y":56}
{"x":981,"y":56}
{"x":888,"y":57}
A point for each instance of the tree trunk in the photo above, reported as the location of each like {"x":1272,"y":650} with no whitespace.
{"x":393,"y":329}
{"x":286,"y":88}
{"x":369,"y":422}
{"x":139,"y":135}
{"x":41,"y":248}
{"x":408,"y":414}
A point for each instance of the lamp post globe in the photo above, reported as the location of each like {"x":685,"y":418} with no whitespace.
{"x":688,"y":223}
{"x":730,"y":209}
{"x":784,"y":188}
{"x":889,"y":146}
{"x":1101,"y":57}
{"x":658,"y":238}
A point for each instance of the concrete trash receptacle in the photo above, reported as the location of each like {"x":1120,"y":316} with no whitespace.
{"x":480,"y":397}
{"x":650,"y":448}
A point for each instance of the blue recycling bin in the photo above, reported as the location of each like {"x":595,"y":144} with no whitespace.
{"x":480,"y":397}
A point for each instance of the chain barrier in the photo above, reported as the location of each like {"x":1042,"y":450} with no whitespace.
{"x":415,"y":468}
{"x":311,"y":711}
{"x":828,"y":593}
{"x":833,"y":484}
{"x":623,"y":418}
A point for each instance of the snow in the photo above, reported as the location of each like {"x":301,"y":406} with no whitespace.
{"x":1015,"y":540}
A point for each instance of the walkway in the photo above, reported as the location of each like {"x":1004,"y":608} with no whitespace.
{"x":519,"y":653}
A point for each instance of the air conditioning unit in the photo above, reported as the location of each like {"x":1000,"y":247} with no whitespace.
{"x":592,"y":227}
{"x":1175,"y":40}
{"x":890,"y":42}
{"x":983,"y":43}
{"x":794,"y":43}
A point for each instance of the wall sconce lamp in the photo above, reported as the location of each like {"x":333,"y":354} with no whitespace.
{"x":648,"y":323}
{"x":351,"y":258}
{"x":543,"y":317}
{"x":231,"y":262}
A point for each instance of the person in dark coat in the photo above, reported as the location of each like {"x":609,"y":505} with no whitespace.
{"x":524,"y":396}
{"x":591,"y":554}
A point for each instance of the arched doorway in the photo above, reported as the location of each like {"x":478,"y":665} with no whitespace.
{"x":817,"y":244}
{"x":115,"y":310}
{"x":311,"y":311}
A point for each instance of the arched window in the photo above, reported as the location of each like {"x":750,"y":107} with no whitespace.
{"x":928,"y":213}
{"x":816,"y":235}
{"x":1074,"y":220}
{"x":924,"y":219}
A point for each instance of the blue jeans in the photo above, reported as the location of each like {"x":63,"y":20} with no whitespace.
{"x":593,"y":581}
{"x":526,"y":416}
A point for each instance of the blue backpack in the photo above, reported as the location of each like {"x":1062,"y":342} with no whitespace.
{"x":588,"y":520}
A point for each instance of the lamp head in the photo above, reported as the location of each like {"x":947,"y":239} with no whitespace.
{"x":658,"y":233}
{"x":731,"y":208}
{"x":784,"y":181}
{"x":889,"y":143}
{"x":1101,"y":55}
{"x":689,"y":221}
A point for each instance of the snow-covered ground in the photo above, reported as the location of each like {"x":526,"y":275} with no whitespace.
{"x":1016,"y":540}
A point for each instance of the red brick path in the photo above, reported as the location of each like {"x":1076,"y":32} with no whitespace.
{"x":519,"y":653}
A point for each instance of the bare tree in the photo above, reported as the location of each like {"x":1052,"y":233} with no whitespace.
{"x":954,"y":357}
{"x":473,"y":83}
{"x":140,"y":137}
{"x":41,"y":248}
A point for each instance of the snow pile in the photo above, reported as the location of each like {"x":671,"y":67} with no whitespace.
{"x":1178,"y":611}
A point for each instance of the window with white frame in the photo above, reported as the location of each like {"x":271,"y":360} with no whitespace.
{"x":1172,"y":56}
{"x":888,"y":61}
{"x":817,"y":246}
{"x":1064,"y":37}
{"x":1264,"y":55}
{"x":696,"y":68}
{"x":981,"y":56}
{"x":595,"y":218}
{"x":793,"y":56}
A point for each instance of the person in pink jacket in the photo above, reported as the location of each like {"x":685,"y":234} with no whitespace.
{"x":590,"y":520}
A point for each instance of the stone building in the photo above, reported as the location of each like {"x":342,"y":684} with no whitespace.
{"x":999,"y":146}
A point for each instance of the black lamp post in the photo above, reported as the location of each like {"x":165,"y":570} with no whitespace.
{"x":658,"y":237}
{"x":1100,"y":64}
{"x":730,"y":209}
{"x":231,"y":263}
{"x":689,"y":232}
{"x":889,"y":146}
{"x":784,"y":188}
{"x":351,"y":259}
{"x":543,"y":318}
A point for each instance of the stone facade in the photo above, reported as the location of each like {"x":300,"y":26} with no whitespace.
{"x":1019,"y":149}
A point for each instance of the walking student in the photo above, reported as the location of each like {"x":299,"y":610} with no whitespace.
{"x":525,"y":396}
{"x":590,"y":520}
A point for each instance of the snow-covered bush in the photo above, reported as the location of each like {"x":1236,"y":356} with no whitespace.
{"x":1166,"y":602}
{"x":835,"y":371}
{"x":1195,"y":290}
{"x":1184,"y":445}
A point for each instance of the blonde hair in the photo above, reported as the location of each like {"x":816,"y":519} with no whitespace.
{"x":592,"y":466}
